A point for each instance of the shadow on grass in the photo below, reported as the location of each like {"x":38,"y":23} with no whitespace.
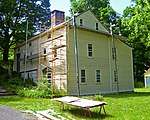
{"x":128,"y":94}
{"x":80,"y":113}
{"x":10,"y":98}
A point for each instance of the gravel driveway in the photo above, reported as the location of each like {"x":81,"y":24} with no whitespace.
{"x":8,"y":113}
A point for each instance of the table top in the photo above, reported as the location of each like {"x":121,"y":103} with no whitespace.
{"x":87,"y":103}
{"x":80,"y":102}
{"x":67,"y":99}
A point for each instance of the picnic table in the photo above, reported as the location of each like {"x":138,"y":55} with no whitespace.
{"x":83,"y":103}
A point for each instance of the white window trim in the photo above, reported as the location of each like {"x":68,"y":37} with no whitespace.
{"x":85,"y":76}
{"x":96,"y":76}
{"x":82,"y":22}
{"x":92,"y":51}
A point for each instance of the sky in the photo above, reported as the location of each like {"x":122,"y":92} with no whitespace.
{"x":64,"y":5}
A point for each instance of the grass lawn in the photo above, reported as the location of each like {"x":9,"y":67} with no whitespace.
{"x":125,"y":106}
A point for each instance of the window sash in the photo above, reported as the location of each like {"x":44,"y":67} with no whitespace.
{"x":44,"y":50}
{"x":83,"y":78}
{"x":96,"y":26}
{"x":81,"y":22}
{"x":30,"y":44}
{"x":90,"y":50}
{"x":97,"y":75}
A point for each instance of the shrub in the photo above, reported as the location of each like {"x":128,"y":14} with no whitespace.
{"x":16,"y":84}
{"x":99,"y":97}
{"x":34,"y":93}
{"x":43,"y":90}
{"x":138,"y":84}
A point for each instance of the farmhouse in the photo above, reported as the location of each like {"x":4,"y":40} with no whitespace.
{"x":78,"y":56}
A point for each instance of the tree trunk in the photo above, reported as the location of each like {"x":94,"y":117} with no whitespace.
{"x":5,"y":54}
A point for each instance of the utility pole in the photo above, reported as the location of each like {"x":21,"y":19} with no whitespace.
{"x":76,"y":54}
{"x":25,"y":59}
{"x":114,"y":57}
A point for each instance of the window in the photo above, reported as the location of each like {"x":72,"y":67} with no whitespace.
{"x":96,"y":26}
{"x":49,"y":75}
{"x":44,"y":51}
{"x":83,"y":76}
{"x":90,"y":50}
{"x":98,"y":76}
{"x":55,"y":50}
{"x":18,"y":49}
{"x":30,"y":56}
{"x":28,"y":75}
{"x":30,"y":44}
{"x":115,"y":76}
{"x":81,"y":22}
{"x":49,"y":36}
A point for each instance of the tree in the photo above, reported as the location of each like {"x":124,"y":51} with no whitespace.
{"x":100,"y":8}
{"x":136,"y":26}
{"x":13,"y":17}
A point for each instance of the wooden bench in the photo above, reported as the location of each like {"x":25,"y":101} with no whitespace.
{"x":83,"y":103}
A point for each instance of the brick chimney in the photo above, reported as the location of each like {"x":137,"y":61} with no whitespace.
{"x":57,"y":17}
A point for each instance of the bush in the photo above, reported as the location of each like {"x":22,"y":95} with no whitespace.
{"x":43,"y":90}
{"x":16,"y":85}
{"x":3,"y":70}
{"x":99,"y":97}
{"x":34,"y":93}
{"x":138,"y":84}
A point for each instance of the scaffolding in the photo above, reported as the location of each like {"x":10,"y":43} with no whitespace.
{"x":53,"y":58}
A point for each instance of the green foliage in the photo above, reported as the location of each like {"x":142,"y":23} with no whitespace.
{"x":138,"y":84}
{"x":125,"y":106}
{"x":28,"y":88}
{"x":99,"y":97}
{"x":16,"y":85}
{"x":6,"y":66}
{"x":136,"y":26}
{"x":100,"y":8}
{"x":13,"y":17}
{"x":34,"y":93}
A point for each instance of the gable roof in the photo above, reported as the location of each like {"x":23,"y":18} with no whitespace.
{"x":91,"y":17}
{"x":103,"y":30}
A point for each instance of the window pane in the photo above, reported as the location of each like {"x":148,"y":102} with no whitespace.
{"x":44,"y":50}
{"x":97,"y":75}
{"x":30,"y":44}
{"x":90,"y":50}
{"x":81,"y":22}
{"x":96,"y":26}
{"x":82,"y":76}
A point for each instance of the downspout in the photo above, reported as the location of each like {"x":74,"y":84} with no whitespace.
{"x":76,"y":54}
{"x":132,"y":69}
{"x":110,"y":65}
